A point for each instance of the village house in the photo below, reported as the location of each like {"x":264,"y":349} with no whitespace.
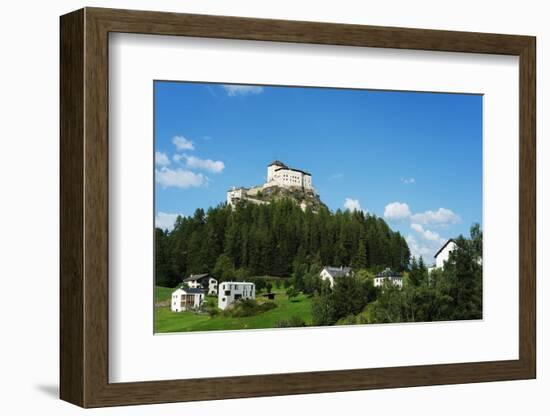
{"x":442,"y":254}
{"x":185,"y":299}
{"x":203,"y":281}
{"x":389,"y":276}
{"x":230,"y":292}
{"x":332,"y":273}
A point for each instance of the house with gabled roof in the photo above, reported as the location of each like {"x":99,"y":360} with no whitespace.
{"x":388,"y":275}
{"x":331,"y":273}
{"x":203,"y":281}
{"x":443,"y":253}
{"x":185,"y":299}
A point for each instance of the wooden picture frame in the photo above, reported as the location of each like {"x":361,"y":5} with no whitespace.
{"x":84,"y":207}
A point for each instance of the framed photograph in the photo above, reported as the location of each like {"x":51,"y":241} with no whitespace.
{"x":255,"y":207}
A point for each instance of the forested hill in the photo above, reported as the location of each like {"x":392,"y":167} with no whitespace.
{"x":272,"y":239}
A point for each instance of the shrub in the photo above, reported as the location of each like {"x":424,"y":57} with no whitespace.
{"x":242,"y":273}
{"x":212,"y":311}
{"x":292,"y":322}
{"x":348,"y":320}
{"x":291,"y":293}
{"x":248,"y":307}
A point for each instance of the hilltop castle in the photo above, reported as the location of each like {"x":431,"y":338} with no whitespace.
{"x":279,"y":176}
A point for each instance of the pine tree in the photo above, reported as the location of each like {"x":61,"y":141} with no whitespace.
{"x":360,"y":261}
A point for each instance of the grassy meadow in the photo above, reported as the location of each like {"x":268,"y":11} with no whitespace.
{"x":168,"y":321}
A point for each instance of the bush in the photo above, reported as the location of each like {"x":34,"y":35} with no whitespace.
{"x":260,"y":284}
{"x":248,"y":307}
{"x":291,"y":293}
{"x":322,"y":309}
{"x":348,"y":320}
{"x":293,"y":322}
{"x":242,"y":274}
{"x":267,"y":306}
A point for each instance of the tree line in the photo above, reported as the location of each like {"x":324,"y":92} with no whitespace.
{"x":274,"y":239}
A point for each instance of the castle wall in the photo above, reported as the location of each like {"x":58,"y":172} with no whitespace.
{"x":234,"y":195}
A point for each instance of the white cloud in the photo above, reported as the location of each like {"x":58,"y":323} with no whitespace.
{"x":179,"y":156}
{"x":427,"y":234}
{"x":421,"y":249}
{"x":408,"y":181}
{"x":352,"y":205}
{"x":182,"y":143}
{"x":161,"y":159}
{"x":193,"y":162}
{"x":426,"y":242}
{"x":441,"y":217}
{"x":234,"y":90}
{"x":166,"y":220}
{"x":397,"y":211}
{"x":215,"y":166}
{"x":179,"y":178}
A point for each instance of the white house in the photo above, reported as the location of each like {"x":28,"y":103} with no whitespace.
{"x":203,"y":281}
{"x":389,"y":276}
{"x":184,"y":299}
{"x":230,"y":292}
{"x":332,"y":273}
{"x":443,"y":253}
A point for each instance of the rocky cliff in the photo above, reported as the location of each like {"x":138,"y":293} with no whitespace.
{"x":304,"y":198}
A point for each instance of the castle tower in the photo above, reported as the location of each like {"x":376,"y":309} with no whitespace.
{"x":274,"y":166}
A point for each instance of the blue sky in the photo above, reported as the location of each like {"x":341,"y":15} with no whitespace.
{"x":413,"y":158}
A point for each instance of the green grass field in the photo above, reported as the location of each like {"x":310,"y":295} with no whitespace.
{"x":163,"y":293}
{"x":168,"y":321}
